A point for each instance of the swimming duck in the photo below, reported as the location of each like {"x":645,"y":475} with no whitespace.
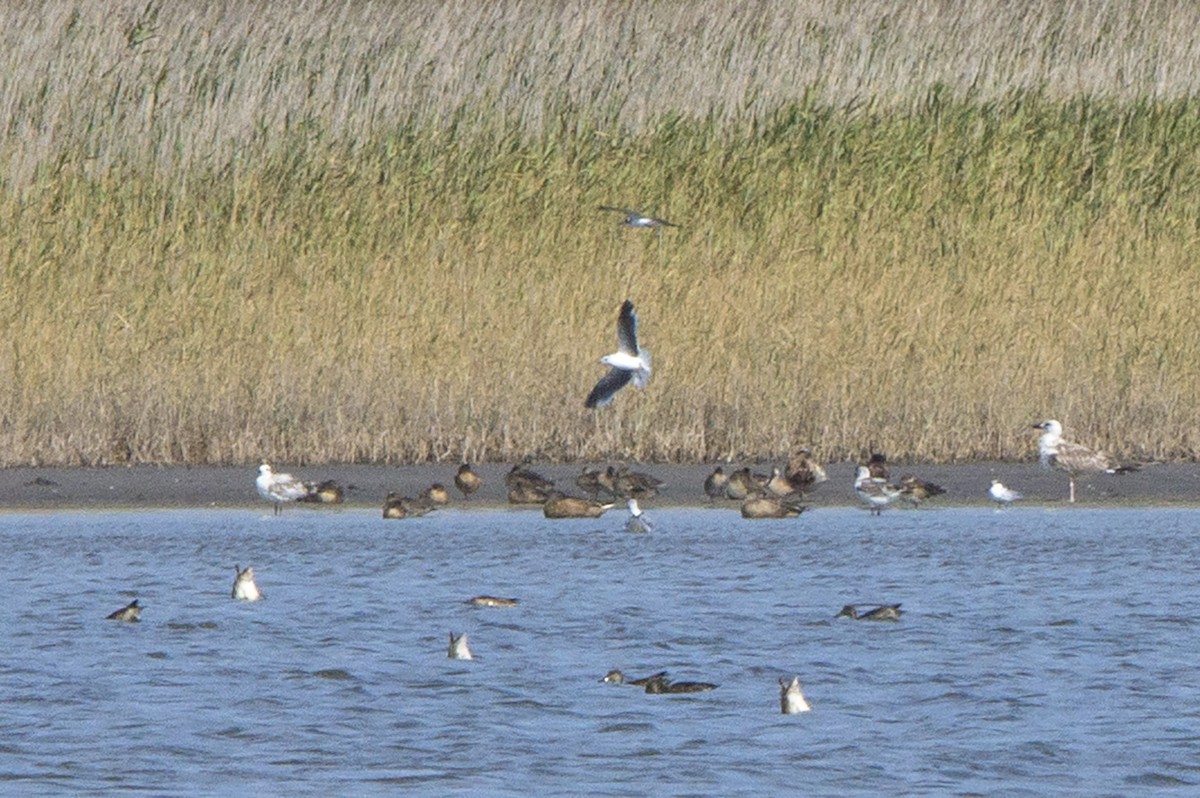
{"x":492,"y":601}
{"x":466,"y":480}
{"x":244,"y":586}
{"x":560,"y":506}
{"x":616,"y":677}
{"x":130,"y":613}
{"x":791,"y":699}
{"x":660,"y":684}
{"x":637,"y":520}
{"x":458,"y":647}
{"x":714,"y":484}
{"x":887,"y":612}
{"x":773,"y":507}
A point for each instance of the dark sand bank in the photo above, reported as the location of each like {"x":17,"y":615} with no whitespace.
{"x":366,"y":486}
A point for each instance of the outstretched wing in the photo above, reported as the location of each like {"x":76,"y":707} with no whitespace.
{"x":607,"y":387}
{"x":627,"y":330}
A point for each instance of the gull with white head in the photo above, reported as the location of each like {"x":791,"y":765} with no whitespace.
{"x":629,"y":362}
{"x":1073,"y":458}
{"x":873,"y":491}
{"x":1002,"y":495}
{"x":637,"y":521}
{"x":280,"y":488}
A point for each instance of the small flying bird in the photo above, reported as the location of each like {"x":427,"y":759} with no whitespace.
{"x":466,"y":480}
{"x":791,"y":700}
{"x":788,"y":506}
{"x":130,"y":613}
{"x":634,"y":218}
{"x":637,"y":520}
{"x":1002,"y":495}
{"x":629,"y":362}
{"x":1073,"y":458}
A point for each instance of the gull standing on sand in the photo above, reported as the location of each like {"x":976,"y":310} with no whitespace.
{"x":873,"y":491}
{"x":637,"y":521}
{"x":1073,"y":458}
{"x":1002,"y":495}
{"x":635,"y":218}
{"x":629,"y":362}
{"x":280,"y":488}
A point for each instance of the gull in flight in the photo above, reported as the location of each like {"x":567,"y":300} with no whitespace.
{"x":1073,"y":458}
{"x":1002,"y":495}
{"x":634,"y":218}
{"x":629,"y":362}
{"x":873,"y":491}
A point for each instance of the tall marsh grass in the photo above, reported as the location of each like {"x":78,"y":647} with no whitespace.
{"x":370,"y":232}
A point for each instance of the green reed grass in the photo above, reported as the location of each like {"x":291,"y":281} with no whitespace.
{"x":351,"y":232}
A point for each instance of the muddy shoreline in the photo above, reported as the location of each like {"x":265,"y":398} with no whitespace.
{"x":366,"y":485}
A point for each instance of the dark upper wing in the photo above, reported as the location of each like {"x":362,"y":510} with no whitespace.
{"x":627,"y":329}
{"x":607,"y":387}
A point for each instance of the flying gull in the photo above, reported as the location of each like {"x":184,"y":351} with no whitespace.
{"x":1073,"y":458}
{"x":635,"y":218}
{"x":629,"y":362}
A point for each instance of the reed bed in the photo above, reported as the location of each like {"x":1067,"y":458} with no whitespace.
{"x":370,"y":232}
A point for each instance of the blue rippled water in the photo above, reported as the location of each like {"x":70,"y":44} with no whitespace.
{"x":1043,"y":652}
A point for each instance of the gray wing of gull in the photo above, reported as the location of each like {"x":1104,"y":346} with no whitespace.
{"x":627,"y":330}
{"x":607,"y":387}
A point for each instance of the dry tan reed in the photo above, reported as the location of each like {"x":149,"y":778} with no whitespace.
{"x":370,"y":232}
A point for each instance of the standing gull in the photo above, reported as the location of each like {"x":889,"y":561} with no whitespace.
{"x":1002,"y":495}
{"x":635,"y":218}
{"x":873,"y":491}
{"x":1073,"y":458}
{"x":280,"y":488}
{"x":629,"y":362}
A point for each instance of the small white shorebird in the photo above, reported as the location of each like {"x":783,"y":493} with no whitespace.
{"x":635,"y":218}
{"x":629,"y":362}
{"x":1073,"y":458}
{"x":244,"y":586}
{"x":458,"y":647}
{"x":873,"y":491}
{"x":280,"y":488}
{"x":1002,"y":495}
{"x":791,"y":700}
{"x":637,"y":521}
